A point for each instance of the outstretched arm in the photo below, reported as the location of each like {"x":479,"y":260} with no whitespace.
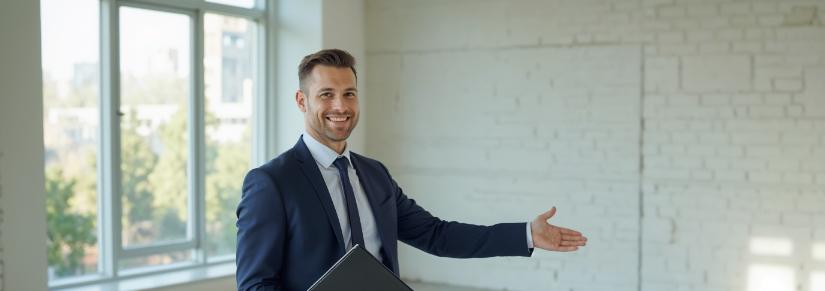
{"x":420,"y":229}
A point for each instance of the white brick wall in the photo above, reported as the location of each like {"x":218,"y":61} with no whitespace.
{"x":490,"y":111}
{"x":509,"y":150}
{"x":1,"y":225}
{"x":754,"y":75}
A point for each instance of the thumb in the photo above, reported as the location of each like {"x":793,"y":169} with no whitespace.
{"x":547,"y":215}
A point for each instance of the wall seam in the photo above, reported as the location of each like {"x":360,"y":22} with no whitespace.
{"x":641,"y":164}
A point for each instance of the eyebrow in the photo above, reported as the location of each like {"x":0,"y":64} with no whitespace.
{"x":345,"y":90}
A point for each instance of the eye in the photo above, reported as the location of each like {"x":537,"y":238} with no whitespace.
{"x":326,"y":95}
{"x":350,"y":94}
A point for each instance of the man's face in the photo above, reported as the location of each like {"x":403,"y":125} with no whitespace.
{"x":331,"y":105}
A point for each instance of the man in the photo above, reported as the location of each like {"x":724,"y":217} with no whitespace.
{"x":303,"y":210}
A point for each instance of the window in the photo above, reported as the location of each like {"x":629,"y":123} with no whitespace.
{"x":229,"y":92}
{"x":71,"y":82}
{"x":239,"y":3}
{"x":155,"y":73}
{"x":148,"y":123}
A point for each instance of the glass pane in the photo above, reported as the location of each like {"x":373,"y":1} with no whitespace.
{"x":155,"y":80}
{"x":155,"y":260}
{"x":228,"y":54}
{"x":239,"y":3}
{"x":70,"y":126}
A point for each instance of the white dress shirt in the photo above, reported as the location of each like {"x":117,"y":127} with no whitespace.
{"x":324,"y":157}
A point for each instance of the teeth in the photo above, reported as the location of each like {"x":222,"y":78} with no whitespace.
{"x":337,"y":119}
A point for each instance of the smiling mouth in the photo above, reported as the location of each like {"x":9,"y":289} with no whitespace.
{"x":337,"y":118}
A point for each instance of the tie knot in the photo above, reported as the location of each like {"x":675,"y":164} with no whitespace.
{"x":341,"y":163}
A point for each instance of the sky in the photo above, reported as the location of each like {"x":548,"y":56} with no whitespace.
{"x":71,"y":35}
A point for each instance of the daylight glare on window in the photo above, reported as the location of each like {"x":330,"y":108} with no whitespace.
{"x":144,"y":162}
{"x":155,"y":74}
{"x":71,"y":79}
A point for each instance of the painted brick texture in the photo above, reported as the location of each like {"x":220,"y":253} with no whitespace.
{"x":678,"y":134}
{"x":1,"y":227}
{"x":506,"y":151}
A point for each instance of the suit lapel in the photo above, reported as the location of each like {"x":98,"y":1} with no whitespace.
{"x":310,"y":170}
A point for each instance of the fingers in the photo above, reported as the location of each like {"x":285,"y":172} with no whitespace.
{"x":547,"y":215}
{"x":568,"y":231}
{"x":577,"y":241}
{"x":567,"y":243}
{"x":573,"y":238}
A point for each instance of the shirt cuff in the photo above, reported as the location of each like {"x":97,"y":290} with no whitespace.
{"x":529,"y":235}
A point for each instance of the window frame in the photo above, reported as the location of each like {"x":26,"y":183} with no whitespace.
{"x":109,"y":229}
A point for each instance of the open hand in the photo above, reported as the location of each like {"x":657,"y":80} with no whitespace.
{"x":553,"y":238}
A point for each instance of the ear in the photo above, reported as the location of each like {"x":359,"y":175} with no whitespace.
{"x":300,"y":100}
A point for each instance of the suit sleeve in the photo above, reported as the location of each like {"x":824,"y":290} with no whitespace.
{"x":261,"y":234}
{"x":418,"y":228}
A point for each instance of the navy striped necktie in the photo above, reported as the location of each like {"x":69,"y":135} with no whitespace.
{"x":352,"y":208}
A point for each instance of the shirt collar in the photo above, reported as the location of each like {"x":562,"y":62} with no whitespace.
{"x":322,"y":154}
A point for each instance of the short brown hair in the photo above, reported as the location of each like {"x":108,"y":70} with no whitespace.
{"x":328,"y":57}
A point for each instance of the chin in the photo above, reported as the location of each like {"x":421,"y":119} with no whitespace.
{"x":337,"y":137}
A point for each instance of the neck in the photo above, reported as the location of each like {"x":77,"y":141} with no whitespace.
{"x":337,"y":146}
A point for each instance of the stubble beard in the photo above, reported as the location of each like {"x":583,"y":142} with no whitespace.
{"x":324,"y":131}
{"x":330,"y":133}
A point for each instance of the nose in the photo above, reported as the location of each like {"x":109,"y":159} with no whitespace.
{"x":338,"y":103}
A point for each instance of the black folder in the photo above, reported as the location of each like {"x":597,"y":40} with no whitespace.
{"x":359,"y":270}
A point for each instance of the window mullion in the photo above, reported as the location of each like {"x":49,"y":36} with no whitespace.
{"x":197,"y":194}
{"x":201,"y":5}
{"x":264,"y":138}
{"x":109,"y":206}
{"x":259,"y":116}
{"x":155,"y":249}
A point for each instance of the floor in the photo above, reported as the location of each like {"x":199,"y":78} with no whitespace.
{"x":439,"y":287}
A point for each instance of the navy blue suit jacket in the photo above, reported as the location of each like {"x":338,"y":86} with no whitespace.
{"x":289,"y":235}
